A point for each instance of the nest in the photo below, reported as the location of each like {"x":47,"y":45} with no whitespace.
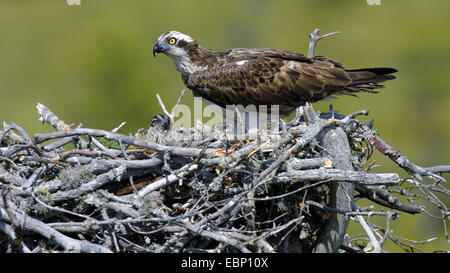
{"x":184,"y":190}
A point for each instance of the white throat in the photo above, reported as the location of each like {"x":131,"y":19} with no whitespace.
{"x":183,"y":64}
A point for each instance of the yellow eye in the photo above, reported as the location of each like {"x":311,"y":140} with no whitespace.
{"x":172,"y":41}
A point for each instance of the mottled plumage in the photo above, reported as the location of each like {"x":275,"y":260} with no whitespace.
{"x":262,"y":76}
{"x":160,"y":122}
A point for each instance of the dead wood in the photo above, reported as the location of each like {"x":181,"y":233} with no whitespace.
{"x":92,"y":190}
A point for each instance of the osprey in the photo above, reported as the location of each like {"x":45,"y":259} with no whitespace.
{"x":262,"y":76}
{"x":160,"y":122}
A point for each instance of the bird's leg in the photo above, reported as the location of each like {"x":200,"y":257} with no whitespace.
{"x":314,"y":38}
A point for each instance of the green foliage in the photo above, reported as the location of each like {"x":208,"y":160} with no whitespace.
{"x":110,"y":144}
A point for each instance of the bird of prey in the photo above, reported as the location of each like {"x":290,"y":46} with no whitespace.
{"x":263,"y":76}
{"x":160,"y":122}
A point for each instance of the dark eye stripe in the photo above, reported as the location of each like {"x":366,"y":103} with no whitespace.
{"x":182,"y":43}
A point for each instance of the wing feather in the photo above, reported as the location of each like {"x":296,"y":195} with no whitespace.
{"x":267,"y":77}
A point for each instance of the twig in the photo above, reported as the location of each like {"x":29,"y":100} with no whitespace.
{"x":39,"y":138}
{"x":337,"y":175}
{"x":69,"y":244}
{"x":314,"y":38}
{"x":171,"y":115}
{"x":46,"y":115}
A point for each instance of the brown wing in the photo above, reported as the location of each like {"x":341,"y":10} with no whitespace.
{"x":239,"y":53}
{"x":268,"y":77}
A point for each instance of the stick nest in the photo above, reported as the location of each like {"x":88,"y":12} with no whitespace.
{"x":184,"y":190}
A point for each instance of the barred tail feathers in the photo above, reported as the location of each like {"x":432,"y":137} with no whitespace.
{"x":368,"y":79}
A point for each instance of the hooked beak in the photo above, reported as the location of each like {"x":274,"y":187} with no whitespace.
{"x":157,"y":48}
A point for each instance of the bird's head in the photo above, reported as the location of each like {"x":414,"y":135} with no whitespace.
{"x":160,"y":122}
{"x":179,"y":48}
{"x":172,"y":43}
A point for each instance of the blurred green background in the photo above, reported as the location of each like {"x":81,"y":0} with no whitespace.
{"x":93,"y":64}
